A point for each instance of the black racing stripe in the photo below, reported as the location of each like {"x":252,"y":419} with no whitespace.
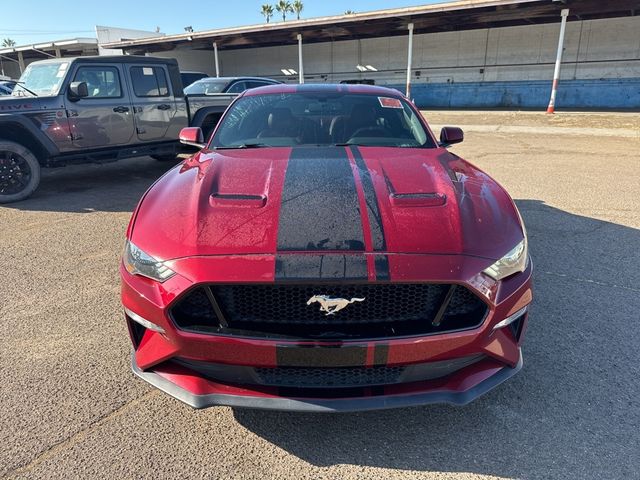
{"x":321,"y":356}
{"x":380,"y":354}
{"x":320,"y":208}
{"x":382,"y":267}
{"x":293,"y":267}
{"x":371,"y":199}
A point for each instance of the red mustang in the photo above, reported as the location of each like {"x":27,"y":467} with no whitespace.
{"x":324,"y":252}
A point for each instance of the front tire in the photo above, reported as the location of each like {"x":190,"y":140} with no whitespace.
{"x":19,"y":172}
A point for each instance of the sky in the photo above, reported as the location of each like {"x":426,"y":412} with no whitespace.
{"x":32,"y":21}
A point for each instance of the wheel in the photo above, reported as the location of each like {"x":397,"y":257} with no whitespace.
{"x":19,"y":172}
{"x":165,"y":158}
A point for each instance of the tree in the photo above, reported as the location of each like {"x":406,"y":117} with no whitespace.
{"x":7,"y":42}
{"x":297,"y":7}
{"x":267,"y":11}
{"x":284,"y":7}
{"x":349,"y":12}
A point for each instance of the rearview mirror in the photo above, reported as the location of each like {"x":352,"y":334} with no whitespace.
{"x":450,"y":135}
{"x":78,"y":90}
{"x":192,"y":136}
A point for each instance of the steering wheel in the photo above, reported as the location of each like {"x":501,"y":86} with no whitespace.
{"x":369,"y":131}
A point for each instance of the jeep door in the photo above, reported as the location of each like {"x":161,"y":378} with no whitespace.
{"x":153,"y":102}
{"x":105,"y":117}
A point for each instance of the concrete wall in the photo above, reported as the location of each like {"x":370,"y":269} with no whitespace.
{"x":514,"y":61}
{"x":194,"y":60}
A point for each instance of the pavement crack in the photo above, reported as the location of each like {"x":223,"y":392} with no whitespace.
{"x":78,"y":436}
{"x":594,"y":282}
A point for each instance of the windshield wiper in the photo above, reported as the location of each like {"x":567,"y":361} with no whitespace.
{"x":23,"y":87}
{"x":244,"y":145}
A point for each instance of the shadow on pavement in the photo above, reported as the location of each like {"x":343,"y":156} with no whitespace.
{"x":108,"y":187}
{"x":572,"y":412}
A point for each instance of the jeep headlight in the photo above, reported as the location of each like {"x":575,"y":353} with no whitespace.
{"x":139,"y":263}
{"x":516,"y":260}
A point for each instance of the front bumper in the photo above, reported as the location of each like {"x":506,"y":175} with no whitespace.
{"x":158,"y":355}
{"x":457,"y":391}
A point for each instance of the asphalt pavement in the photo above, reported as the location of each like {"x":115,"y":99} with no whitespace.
{"x":71,"y":408}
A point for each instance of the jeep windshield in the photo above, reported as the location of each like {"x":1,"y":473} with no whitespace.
{"x":41,"y":79}
{"x":291,"y":119}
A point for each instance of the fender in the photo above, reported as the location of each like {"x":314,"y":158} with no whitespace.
{"x":20,"y":121}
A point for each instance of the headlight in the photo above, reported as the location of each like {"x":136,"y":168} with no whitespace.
{"x":514,"y":261}
{"x":139,"y":263}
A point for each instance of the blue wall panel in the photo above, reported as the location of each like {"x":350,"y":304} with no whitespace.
{"x":572,"y":94}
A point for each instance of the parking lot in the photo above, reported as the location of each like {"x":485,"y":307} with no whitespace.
{"x":71,"y":406}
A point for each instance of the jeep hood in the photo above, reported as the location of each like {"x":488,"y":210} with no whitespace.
{"x":10,"y":104}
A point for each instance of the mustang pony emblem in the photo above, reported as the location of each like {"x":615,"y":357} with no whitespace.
{"x":332,"y":305}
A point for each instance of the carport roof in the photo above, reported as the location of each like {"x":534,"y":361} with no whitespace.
{"x":442,"y":17}
{"x":67,"y":47}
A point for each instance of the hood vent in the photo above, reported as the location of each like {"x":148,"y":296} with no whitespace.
{"x":237,"y":200}
{"x":417,"y":199}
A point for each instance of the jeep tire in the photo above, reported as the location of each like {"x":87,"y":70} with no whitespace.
{"x":19,"y":172}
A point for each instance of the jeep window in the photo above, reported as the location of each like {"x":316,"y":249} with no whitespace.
{"x":43,"y":79}
{"x":102,"y":82}
{"x":149,"y":82}
{"x":289,"y":119}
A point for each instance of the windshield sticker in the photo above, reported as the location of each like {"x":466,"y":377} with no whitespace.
{"x":147,"y":71}
{"x":389,"y":102}
{"x":61,"y":70}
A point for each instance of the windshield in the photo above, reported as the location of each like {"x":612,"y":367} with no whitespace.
{"x":43,"y":79}
{"x":291,"y":119}
{"x":205,"y":87}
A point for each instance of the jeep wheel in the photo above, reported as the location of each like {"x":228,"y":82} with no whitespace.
{"x":19,"y":172}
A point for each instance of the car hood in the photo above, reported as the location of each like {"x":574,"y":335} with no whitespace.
{"x":11,"y":104}
{"x":326,"y":199}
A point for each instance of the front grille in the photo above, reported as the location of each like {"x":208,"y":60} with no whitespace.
{"x":303,"y":377}
{"x":389,"y":310}
{"x":288,"y":303}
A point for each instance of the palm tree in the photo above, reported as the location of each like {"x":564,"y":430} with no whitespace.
{"x":349,"y":12}
{"x":284,"y":7}
{"x":7,"y":42}
{"x":267,"y":11}
{"x":297,"y":7}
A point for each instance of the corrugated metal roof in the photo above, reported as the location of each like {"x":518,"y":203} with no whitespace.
{"x":457,"y":15}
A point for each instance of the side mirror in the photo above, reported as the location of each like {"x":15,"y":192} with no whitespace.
{"x":450,"y":135}
{"x":78,"y":90}
{"x":192,"y":136}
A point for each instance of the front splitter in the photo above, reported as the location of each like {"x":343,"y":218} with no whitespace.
{"x":351,"y":404}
